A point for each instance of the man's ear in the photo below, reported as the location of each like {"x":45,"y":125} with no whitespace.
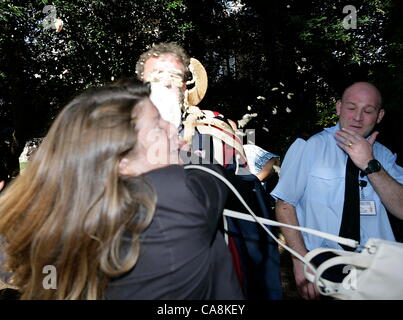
{"x":338,"y":107}
{"x":380,"y":115}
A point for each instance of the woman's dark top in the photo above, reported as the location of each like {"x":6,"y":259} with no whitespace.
{"x":182,"y":253}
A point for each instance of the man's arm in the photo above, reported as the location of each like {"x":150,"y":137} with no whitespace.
{"x":286,"y":213}
{"x":268,"y":169}
{"x":389,"y":190}
{"x":360,"y":151}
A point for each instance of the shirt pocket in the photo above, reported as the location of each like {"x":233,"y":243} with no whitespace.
{"x":327,"y":185}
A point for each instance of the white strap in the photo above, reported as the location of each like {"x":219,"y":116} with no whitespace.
{"x":356,"y":260}
{"x":258,"y":220}
{"x":345,"y":241}
{"x":348,"y":242}
{"x":263,"y":221}
{"x":311,"y":254}
{"x":361,"y":262}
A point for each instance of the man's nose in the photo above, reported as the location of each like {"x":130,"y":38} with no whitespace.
{"x":358,"y":115}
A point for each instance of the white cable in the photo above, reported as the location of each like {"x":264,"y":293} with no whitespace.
{"x":252,"y":213}
{"x":261,"y":221}
{"x":345,"y":241}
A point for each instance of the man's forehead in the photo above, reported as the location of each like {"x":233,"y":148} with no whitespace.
{"x":164,"y":63}
{"x":361,"y":104}
{"x":362,"y":94}
{"x":361,"y":101}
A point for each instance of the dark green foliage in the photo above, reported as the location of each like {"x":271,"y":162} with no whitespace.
{"x":286,"y":60}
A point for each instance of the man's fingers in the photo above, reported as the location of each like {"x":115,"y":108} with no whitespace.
{"x":345,"y":138}
{"x":372,"y":138}
{"x":313,"y":294}
{"x":343,"y":146}
{"x":308,"y":290}
{"x":349,"y":133}
{"x":304,"y":292}
{"x":316,"y":292}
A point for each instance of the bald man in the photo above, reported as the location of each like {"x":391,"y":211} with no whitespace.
{"x":312,"y":188}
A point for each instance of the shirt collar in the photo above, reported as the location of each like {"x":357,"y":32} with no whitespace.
{"x":332,"y":130}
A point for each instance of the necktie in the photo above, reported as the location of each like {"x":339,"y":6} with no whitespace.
{"x":350,"y":223}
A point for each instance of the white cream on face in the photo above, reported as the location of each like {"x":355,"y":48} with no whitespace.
{"x":168,"y":102}
{"x":165,"y":73}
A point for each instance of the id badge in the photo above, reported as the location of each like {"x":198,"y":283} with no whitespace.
{"x":367,"y":208}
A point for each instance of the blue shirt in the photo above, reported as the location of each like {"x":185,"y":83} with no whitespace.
{"x":257,"y":157}
{"x":312,"y":179}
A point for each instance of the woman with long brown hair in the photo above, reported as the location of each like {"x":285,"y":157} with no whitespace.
{"x":105,"y":204}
